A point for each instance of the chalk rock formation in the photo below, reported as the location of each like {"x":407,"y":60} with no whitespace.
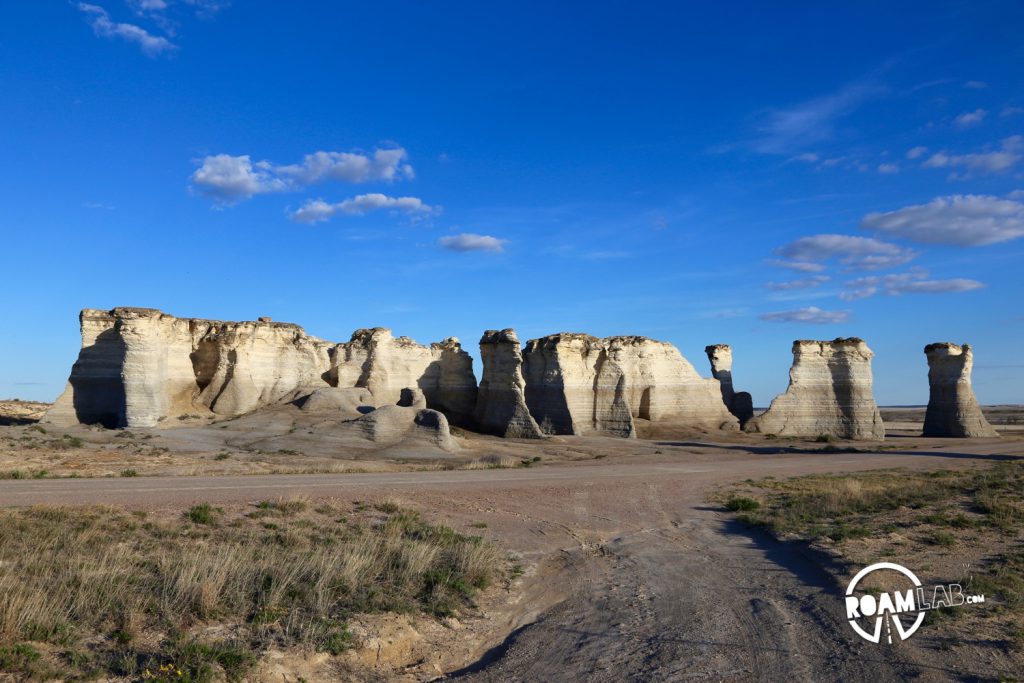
{"x":343,"y":400}
{"x":394,"y":424}
{"x":829,"y":394}
{"x":501,"y":401}
{"x":138,"y":367}
{"x":739,"y":403}
{"x":573,"y":387}
{"x":579,"y":384}
{"x":386,"y":365}
{"x":952,"y":408}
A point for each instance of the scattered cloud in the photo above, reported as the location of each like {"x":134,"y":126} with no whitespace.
{"x":856,"y":253}
{"x":798,"y":266}
{"x":104,"y":27}
{"x":999,"y":161}
{"x":976,"y":85}
{"x":726,"y":313}
{"x":1011,"y":111}
{"x":811,"y":315}
{"x":228,"y":179}
{"x":468,"y":241}
{"x":916,"y":152}
{"x":960,"y":220}
{"x":970,"y":118}
{"x":351,"y":167}
{"x":912,"y":282}
{"x":98,"y":205}
{"x":888,"y":169}
{"x":317,"y":210}
{"x":802,"y":283}
{"x":783,"y":131}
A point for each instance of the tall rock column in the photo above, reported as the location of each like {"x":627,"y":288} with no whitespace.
{"x":829,"y":394}
{"x":952,"y":408}
{"x":739,"y":403}
{"x":501,"y":400}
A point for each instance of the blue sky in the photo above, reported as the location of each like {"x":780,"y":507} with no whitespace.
{"x":745,"y":173}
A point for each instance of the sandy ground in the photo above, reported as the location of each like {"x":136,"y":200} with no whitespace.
{"x":630,"y":573}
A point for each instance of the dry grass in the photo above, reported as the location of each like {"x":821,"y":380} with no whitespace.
{"x":927,"y":512}
{"x":112,"y":592}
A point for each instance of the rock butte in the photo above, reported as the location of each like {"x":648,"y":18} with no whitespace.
{"x":139,"y":367}
{"x":579,"y":384}
{"x":829,"y":394}
{"x":739,"y":403}
{"x":501,"y":401}
{"x":952,"y":408}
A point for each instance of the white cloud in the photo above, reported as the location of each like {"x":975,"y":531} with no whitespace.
{"x":798,"y":266}
{"x":229,"y":179}
{"x":318,"y":210}
{"x":787,"y":130}
{"x":888,"y":168}
{"x":102,"y":26}
{"x":856,"y":253}
{"x":912,"y":282}
{"x":351,"y":167}
{"x":961,"y":220}
{"x":976,"y":85}
{"x":468,"y":241}
{"x":811,"y":314}
{"x":971,"y":118}
{"x":1011,"y":111}
{"x":803,"y":283}
{"x":987,"y":162}
{"x":916,"y":152}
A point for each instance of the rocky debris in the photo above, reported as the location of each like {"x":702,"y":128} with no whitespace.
{"x":953,"y":411}
{"x":739,"y":403}
{"x":501,"y":401}
{"x":829,"y":394}
{"x":265,"y":319}
{"x":389,"y":425}
{"x":412,"y":398}
{"x":344,"y":400}
{"x":573,"y":387}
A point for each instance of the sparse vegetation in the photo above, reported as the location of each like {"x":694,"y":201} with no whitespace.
{"x":117,"y":594}
{"x":931,"y":509}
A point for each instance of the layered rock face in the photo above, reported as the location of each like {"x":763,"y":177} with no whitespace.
{"x":579,"y":384}
{"x":386,"y":365}
{"x":829,"y":394}
{"x":661,"y":385}
{"x":573,"y":387}
{"x":953,"y":411}
{"x":739,"y":403}
{"x":139,"y":366}
{"x":501,"y":400}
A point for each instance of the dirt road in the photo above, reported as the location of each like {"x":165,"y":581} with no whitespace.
{"x":632,"y":575}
